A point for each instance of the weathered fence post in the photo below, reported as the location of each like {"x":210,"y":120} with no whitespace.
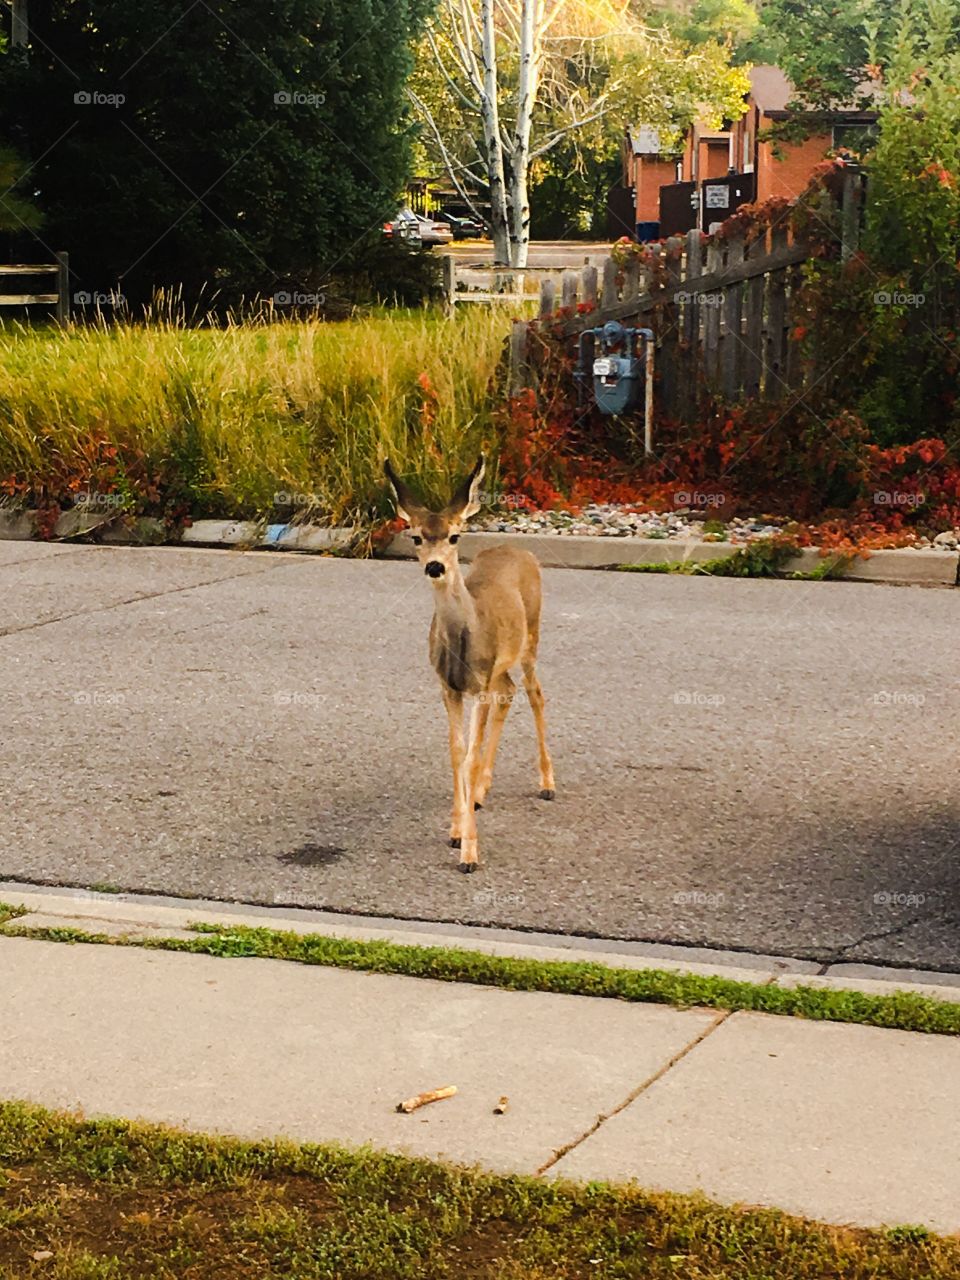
{"x":568,"y":296}
{"x":518,"y":356}
{"x":753,"y":340}
{"x":732,"y":323}
{"x":631,"y":278}
{"x":608,"y":294}
{"x":690,"y":362}
{"x":669,"y":344}
{"x":63,"y":287}
{"x":449,"y":283}
{"x":850,"y":212}
{"x":711,"y":317}
{"x":589,"y":285}
{"x":775,"y":381}
{"x":548,"y":297}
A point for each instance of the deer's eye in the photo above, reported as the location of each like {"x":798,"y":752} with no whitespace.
{"x":454,"y":537}
{"x":417,"y":539}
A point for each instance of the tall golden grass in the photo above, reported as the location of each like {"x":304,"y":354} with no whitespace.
{"x":245,"y":411}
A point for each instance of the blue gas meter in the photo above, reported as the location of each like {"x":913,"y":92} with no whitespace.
{"x":615,"y":359}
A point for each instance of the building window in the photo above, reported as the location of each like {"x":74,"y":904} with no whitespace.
{"x":858,"y":139}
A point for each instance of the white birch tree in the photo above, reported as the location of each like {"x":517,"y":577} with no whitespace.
{"x":498,"y":61}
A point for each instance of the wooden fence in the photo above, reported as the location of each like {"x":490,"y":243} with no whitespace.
{"x":720,"y":310}
{"x":465,"y":281}
{"x":60,"y":299}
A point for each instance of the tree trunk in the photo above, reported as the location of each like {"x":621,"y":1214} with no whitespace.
{"x":530,"y":51}
{"x":490,"y":115}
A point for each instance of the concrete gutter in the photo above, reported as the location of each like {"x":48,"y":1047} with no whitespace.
{"x":904,"y":566}
{"x":146,"y":916}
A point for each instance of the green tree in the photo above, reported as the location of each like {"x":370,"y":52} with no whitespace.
{"x":824,"y":46}
{"x":17,"y":211}
{"x":914,"y":172}
{"x":227,"y":145}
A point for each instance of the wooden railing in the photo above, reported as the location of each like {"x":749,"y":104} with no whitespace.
{"x":60,"y":299}
{"x":465,"y":281}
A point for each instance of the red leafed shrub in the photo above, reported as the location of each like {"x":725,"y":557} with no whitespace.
{"x":815,"y":466}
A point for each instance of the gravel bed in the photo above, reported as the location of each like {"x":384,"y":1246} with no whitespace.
{"x":611,"y":520}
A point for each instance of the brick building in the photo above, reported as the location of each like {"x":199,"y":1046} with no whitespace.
{"x":674,"y":192}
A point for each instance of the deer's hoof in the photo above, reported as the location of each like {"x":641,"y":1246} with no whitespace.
{"x":454,"y":842}
{"x":547,"y":794}
{"x":467,"y":867}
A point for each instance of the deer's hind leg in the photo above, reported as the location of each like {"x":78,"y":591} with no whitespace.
{"x":499,"y":699}
{"x":535,"y":696}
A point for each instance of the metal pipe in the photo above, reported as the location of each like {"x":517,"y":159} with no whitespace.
{"x":648,"y":393}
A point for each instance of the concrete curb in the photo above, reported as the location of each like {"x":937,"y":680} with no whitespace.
{"x":143,"y":916}
{"x":904,"y":566}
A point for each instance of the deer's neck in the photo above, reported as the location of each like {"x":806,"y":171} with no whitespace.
{"x":454,"y":627}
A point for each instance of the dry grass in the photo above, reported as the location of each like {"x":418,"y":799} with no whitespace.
{"x":230,"y":416}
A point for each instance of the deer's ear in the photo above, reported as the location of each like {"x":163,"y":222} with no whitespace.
{"x":466,"y":501}
{"x":407,"y":508}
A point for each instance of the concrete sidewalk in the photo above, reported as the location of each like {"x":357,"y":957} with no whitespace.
{"x":847,"y":1124}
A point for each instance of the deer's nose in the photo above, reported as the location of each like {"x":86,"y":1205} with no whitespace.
{"x":434,"y":569}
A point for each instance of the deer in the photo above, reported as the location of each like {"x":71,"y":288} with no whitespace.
{"x":484,"y":624}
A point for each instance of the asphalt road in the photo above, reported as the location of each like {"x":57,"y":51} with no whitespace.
{"x":761,"y":765}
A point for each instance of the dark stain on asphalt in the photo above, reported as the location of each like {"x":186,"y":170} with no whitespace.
{"x":312,"y":855}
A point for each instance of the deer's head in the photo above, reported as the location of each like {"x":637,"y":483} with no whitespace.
{"x":436,"y":533}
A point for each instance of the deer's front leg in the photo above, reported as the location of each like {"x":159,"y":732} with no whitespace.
{"x":468,"y":843}
{"x":454,"y":705}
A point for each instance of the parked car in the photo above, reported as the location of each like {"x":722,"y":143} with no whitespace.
{"x":404,"y":227}
{"x":464,"y":227}
{"x":433,"y":231}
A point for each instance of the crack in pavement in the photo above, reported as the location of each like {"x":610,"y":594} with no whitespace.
{"x":150,"y":595}
{"x":882,"y":934}
{"x":641,"y":1088}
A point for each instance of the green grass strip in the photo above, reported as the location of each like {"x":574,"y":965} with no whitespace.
{"x":762,"y":558}
{"x":107,"y":1199}
{"x":903,"y":1010}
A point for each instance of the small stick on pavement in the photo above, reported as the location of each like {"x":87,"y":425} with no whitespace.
{"x":501,"y":1107}
{"x":421,"y":1099}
